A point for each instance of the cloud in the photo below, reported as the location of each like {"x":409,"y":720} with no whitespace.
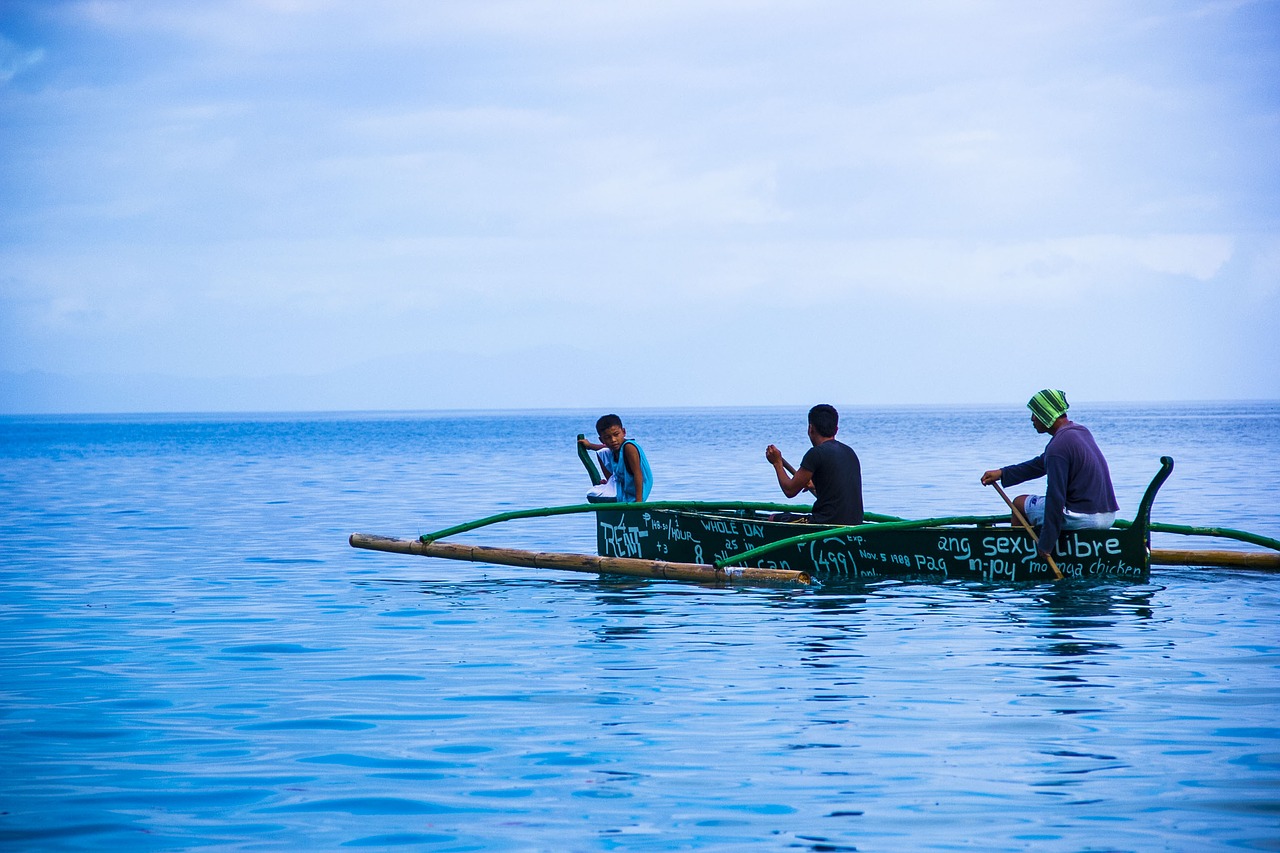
{"x":323,"y":184}
{"x":645,"y":191}
{"x":15,"y":59}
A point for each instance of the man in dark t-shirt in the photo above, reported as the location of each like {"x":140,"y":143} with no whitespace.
{"x":830,"y":469}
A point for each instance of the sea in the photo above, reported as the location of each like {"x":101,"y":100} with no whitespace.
{"x":192,"y":657}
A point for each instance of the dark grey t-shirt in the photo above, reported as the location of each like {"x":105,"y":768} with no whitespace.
{"x":837,"y":475}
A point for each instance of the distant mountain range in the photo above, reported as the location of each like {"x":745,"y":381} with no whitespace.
{"x":550,"y":377}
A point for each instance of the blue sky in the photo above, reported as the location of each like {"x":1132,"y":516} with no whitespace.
{"x":416,"y":205}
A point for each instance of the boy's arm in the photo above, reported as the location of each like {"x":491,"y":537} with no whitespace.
{"x":811,"y":488}
{"x":631,"y":457}
{"x":604,"y":466}
{"x":791,"y":486}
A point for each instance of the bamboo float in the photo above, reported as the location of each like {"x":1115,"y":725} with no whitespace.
{"x":1261,"y":561}
{"x":1268,"y":562}
{"x":578,"y":562}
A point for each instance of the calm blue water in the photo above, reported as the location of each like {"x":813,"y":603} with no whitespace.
{"x":193,"y":657}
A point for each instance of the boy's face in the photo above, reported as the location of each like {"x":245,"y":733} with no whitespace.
{"x":613,"y":437}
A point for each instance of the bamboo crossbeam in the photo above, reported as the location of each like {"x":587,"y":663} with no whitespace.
{"x":1218,"y":532}
{"x":683,"y":506}
{"x":578,"y":562}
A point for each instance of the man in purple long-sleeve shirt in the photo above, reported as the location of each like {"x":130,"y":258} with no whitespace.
{"x":1079,"y":493}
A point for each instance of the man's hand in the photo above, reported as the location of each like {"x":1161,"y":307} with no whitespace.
{"x":773,"y":455}
{"x":993,"y":476}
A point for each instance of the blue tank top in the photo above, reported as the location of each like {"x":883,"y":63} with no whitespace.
{"x":622,"y":477}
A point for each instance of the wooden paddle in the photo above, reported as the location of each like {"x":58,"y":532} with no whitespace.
{"x":1057,"y":572}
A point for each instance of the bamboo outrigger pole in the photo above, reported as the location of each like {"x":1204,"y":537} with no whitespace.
{"x":578,"y":562}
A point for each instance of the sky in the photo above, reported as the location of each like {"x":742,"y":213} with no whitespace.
{"x":280,"y":205}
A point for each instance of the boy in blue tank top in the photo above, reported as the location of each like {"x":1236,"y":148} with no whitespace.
{"x":631,"y":478}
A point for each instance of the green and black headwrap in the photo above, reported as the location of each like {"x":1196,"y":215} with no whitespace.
{"x":1047,"y":406}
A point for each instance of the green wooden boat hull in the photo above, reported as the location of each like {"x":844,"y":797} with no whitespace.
{"x":991,"y":553}
{"x":996,"y":553}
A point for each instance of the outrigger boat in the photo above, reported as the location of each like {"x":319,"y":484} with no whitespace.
{"x":743,"y":542}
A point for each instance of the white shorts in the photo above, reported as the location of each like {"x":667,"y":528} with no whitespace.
{"x":1034,"y":511}
{"x":604,"y":492}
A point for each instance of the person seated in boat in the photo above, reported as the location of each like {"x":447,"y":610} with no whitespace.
{"x":830,"y":467}
{"x":627,"y":481}
{"x":1078,"y":492}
